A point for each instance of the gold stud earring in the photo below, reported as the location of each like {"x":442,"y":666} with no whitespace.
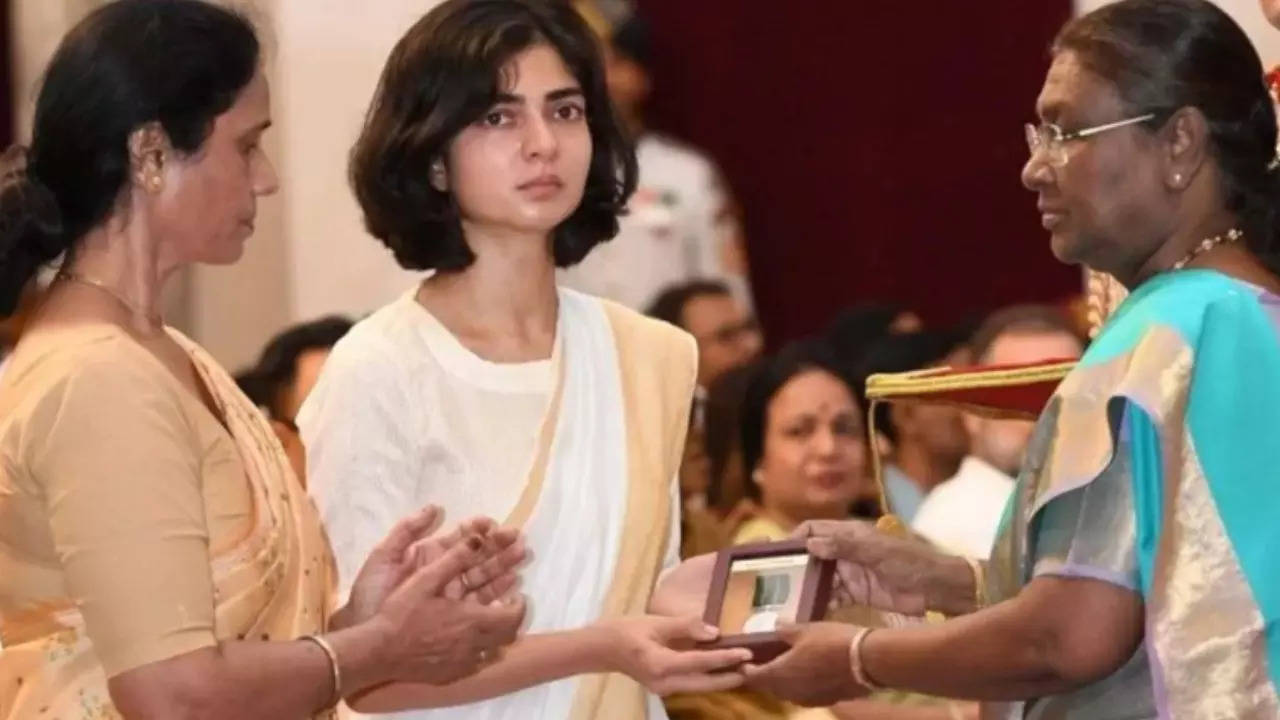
{"x":154,"y":183}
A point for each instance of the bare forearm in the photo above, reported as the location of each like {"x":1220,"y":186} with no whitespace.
{"x":531,"y":660}
{"x":991,"y":655}
{"x":249,"y":680}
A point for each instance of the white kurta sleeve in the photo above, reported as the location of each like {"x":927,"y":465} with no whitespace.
{"x":361,"y":459}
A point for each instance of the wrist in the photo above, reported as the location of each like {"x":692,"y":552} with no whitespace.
{"x":367,"y":655}
{"x":605,"y":647}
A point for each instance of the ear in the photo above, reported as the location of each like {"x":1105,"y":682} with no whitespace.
{"x":149,"y":151}
{"x":1185,"y":138}
{"x":901,"y":416}
{"x":972,"y":423}
{"x":438,"y":175}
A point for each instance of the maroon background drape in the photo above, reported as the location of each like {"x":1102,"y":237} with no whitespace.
{"x":874,"y":144}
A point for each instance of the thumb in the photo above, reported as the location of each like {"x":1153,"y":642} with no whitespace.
{"x":789,"y":632}
{"x":690,"y":627}
{"x":409,"y":530}
{"x":822,"y":547}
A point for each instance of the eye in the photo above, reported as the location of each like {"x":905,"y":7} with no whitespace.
{"x":570,"y":112}
{"x":498,"y":118}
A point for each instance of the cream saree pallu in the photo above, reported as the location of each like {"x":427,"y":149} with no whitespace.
{"x":596,"y":511}
{"x":1169,"y":430}
{"x":272,"y":584}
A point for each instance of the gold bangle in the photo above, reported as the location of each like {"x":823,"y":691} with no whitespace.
{"x":333,"y":665}
{"x":979,"y":583}
{"x":855,"y":661}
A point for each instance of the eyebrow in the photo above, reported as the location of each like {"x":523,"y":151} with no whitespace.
{"x":259,"y":128}
{"x":552,"y":96}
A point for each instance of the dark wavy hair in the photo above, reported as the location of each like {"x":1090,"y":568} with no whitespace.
{"x":180,"y":63}
{"x":1164,"y":55}
{"x":277,"y":368}
{"x":768,"y":378}
{"x":442,"y":76}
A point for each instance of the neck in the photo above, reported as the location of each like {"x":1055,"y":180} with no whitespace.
{"x":925,"y":469}
{"x":790,"y":518}
{"x":1178,"y":245}
{"x":509,"y":291}
{"x":120,"y":260}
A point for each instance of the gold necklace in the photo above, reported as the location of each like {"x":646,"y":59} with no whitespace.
{"x":1230,"y":236}
{"x":152,"y":318}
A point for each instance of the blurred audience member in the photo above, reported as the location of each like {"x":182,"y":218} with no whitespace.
{"x":682,"y":222}
{"x":722,"y":438}
{"x":285,"y":374}
{"x":857,"y":328}
{"x":1272,"y":10}
{"x":803,"y":439}
{"x":962,"y":515}
{"x":724,"y":327}
{"x":11,"y":327}
{"x":923,"y":445}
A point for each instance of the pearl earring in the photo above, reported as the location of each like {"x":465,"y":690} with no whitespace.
{"x":1177,"y":179}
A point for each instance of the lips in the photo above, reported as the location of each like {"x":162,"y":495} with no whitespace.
{"x":829,"y":480}
{"x":1050,"y":216}
{"x":542,"y":183}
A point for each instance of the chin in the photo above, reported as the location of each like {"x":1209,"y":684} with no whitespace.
{"x":1066,"y":248}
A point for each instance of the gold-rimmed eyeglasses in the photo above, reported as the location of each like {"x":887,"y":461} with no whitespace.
{"x":1052,"y":140}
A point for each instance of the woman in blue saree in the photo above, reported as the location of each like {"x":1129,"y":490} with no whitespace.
{"x":1133,"y":575}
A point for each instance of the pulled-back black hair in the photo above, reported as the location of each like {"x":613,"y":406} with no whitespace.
{"x":179,"y":63}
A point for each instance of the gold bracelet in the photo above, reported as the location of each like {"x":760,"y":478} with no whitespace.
{"x":333,"y":665}
{"x":979,"y":583}
{"x":855,"y":661}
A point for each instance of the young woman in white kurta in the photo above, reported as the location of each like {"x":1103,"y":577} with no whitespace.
{"x":489,"y":391}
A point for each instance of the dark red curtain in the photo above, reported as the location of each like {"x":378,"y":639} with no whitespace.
{"x":875,"y":146}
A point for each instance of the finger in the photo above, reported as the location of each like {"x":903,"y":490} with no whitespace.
{"x":411,"y":529}
{"x":693,"y":662}
{"x":505,"y":537}
{"x":789,"y":632}
{"x":689,"y":627}
{"x":718,"y":682}
{"x":478,"y":525}
{"x":822,"y":547}
{"x":431,"y":579}
{"x":495,"y":590}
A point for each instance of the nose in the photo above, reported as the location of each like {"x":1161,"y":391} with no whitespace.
{"x":825,"y":443}
{"x":540,"y":141}
{"x":265,"y":179}
{"x":1036,"y":173}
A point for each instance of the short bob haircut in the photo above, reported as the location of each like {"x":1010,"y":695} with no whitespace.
{"x":443,"y":75}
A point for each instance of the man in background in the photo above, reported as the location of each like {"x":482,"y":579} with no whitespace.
{"x":724,"y":327}
{"x":962,"y":515}
{"x":921,"y":445}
